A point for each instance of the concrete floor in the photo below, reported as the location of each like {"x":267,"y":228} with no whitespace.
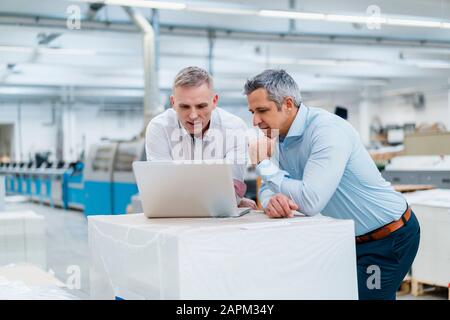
{"x":67,"y":242}
{"x":67,"y":245}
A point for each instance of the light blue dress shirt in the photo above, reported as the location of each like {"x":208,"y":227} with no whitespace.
{"x":323,"y":167}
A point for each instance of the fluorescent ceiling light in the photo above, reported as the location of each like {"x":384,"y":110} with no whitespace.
{"x":353,"y":19}
{"x":224,"y":9}
{"x":320,"y":62}
{"x":146,"y":4}
{"x":432,"y":64}
{"x":341,"y":18}
{"x":292,"y":14}
{"x":233,"y":11}
{"x":414,"y":23}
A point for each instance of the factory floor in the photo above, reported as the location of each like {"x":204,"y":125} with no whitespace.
{"x":67,"y":246}
{"x":67,"y":243}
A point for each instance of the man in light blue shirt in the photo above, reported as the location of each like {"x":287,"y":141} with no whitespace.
{"x":316,"y":163}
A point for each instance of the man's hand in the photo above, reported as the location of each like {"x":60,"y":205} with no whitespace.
{"x":247,"y":203}
{"x":280,"y":206}
{"x":260,"y":149}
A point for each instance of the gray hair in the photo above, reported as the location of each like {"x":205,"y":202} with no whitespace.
{"x":278,"y":84}
{"x":192,"y":77}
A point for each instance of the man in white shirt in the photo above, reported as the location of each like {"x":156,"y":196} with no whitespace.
{"x":195,"y":129}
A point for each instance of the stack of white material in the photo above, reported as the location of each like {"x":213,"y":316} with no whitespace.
{"x":136,"y":204}
{"x":27,"y":282}
{"x":432,"y":263}
{"x":22,"y":238}
{"x":2,"y":193}
{"x":252,"y":257}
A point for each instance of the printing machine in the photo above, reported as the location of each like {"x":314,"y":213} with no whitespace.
{"x":37,"y":190}
{"x":25,"y":178}
{"x":55,"y":175}
{"x":3,"y":168}
{"x":11,"y":177}
{"x":98,"y":173}
{"x":124,"y":184}
{"x":18,"y":177}
{"x":109,"y":182}
{"x":431,"y":170}
{"x":15,"y":178}
{"x":73,"y":186}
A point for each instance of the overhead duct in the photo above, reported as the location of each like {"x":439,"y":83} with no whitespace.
{"x":151,"y":88}
{"x":93,"y":9}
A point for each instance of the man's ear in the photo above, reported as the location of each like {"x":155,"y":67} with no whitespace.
{"x":215,"y":101}
{"x":172,"y":101}
{"x":290,"y":105}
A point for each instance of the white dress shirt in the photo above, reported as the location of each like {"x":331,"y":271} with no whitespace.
{"x":225,"y":141}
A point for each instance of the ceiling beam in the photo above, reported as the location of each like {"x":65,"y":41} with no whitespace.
{"x":223,"y":33}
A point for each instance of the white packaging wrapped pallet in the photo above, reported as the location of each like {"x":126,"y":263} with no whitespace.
{"x":28,"y":282}
{"x":251,"y":257}
{"x":2,"y":193}
{"x":432,"y":263}
{"x":22,"y":238}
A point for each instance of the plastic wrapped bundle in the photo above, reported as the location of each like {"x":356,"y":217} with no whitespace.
{"x":22,"y":238}
{"x":251,"y":257}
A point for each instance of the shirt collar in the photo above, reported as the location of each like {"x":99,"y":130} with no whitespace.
{"x":298,"y":125}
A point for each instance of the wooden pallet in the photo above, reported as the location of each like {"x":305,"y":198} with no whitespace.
{"x":418,"y":288}
{"x":405,"y":287}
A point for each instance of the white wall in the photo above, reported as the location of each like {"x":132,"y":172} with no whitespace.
{"x":30,"y":132}
{"x":396,"y":110}
{"x":83,"y":125}
{"x":86,"y":124}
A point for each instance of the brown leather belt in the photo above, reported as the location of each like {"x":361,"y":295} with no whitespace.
{"x":386,"y":230}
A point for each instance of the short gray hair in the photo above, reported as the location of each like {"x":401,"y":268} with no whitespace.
{"x":192,"y":77}
{"x":278,"y":84}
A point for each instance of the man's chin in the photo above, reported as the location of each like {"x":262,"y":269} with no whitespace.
{"x":267,"y":132}
{"x":193,"y":130}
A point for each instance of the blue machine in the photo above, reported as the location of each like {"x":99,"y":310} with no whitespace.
{"x":45,"y":182}
{"x":6,"y":171}
{"x":52,"y":183}
{"x":25,"y":177}
{"x":10,"y":185}
{"x":3,"y":168}
{"x":124,"y":184}
{"x":109,"y":180}
{"x":73,"y":186}
{"x":36,"y":181}
{"x":3,"y":172}
{"x":16,"y":180}
{"x":98,"y":173}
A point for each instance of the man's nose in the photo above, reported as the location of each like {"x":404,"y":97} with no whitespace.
{"x":193,"y":115}
{"x":256,"y":120}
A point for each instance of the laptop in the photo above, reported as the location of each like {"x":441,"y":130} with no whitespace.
{"x":179,"y":189}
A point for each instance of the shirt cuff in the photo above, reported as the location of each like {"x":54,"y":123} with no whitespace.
{"x":271,"y":174}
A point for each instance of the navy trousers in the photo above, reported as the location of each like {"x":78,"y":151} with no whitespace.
{"x":382,"y":264}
